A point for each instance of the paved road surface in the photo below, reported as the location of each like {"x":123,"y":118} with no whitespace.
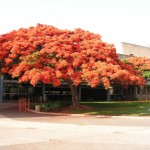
{"x":21,"y":131}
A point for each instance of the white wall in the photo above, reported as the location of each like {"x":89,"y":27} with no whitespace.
{"x":137,"y":50}
{"x":129,"y":49}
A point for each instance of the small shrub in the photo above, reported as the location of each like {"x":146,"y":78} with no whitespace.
{"x":45,"y":106}
{"x":32,"y":106}
{"x":51,"y":106}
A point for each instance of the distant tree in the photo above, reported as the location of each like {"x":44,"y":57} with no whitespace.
{"x":142,"y":65}
{"x":52,"y":56}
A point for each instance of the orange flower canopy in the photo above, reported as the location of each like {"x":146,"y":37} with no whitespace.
{"x":47,"y":54}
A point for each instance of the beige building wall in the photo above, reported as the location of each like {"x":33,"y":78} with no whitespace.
{"x":136,"y":50}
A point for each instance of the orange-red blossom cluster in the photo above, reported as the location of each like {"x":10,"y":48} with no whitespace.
{"x":139,"y":63}
{"x":47,"y":54}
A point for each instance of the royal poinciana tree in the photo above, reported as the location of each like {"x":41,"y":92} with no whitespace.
{"x":142,"y":65}
{"x":52,"y":56}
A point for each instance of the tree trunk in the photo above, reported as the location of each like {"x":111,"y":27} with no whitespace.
{"x":75,"y":97}
{"x":74,"y":93}
{"x":141,"y":92}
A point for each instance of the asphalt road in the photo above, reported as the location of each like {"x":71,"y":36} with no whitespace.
{"x":21,"y":131}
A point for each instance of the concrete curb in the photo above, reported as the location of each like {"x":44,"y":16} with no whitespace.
{"x":87,"y":115}
{"x":58,"y":114}
{"x":124,"y":117}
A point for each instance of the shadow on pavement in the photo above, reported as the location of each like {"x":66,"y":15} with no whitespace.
{"x":10,"y":110}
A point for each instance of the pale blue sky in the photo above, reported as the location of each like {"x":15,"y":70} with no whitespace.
{"x":114,"y":20}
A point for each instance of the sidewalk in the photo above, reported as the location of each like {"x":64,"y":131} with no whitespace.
{"x":21,"y":131}
{"x":32,"y":130}
{"x":8,"y":105}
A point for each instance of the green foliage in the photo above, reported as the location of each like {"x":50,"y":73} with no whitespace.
{"x":146,"y":74}
{"x":51,"y":106}
{"x":32,"y":106}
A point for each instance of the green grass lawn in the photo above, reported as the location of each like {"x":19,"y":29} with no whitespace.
{"x":131,"y":108}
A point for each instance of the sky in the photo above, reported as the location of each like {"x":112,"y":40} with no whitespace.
{"x":115,"y":20}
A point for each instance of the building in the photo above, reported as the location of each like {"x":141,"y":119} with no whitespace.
{"x":128,"y":50}
{"x":136,"y":50}
{"x":11,"y":90}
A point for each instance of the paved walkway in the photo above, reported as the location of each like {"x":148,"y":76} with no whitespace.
{"x":20,"y":131}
